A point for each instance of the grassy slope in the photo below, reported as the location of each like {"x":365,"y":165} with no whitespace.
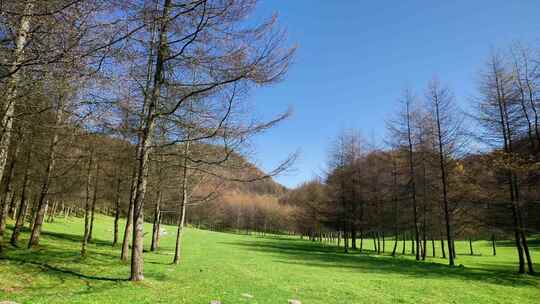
{"x":272,"y":270}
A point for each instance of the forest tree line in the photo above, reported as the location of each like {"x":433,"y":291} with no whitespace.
{"x":140,"y":110}
{"x":443,"y":173}
{"x":137,"y":109}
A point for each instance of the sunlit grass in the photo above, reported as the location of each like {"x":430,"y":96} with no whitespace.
{"x":231,"y":268}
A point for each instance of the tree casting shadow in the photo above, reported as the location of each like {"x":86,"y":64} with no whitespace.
{"x":318,"y":255}
{"x":63,"y":271}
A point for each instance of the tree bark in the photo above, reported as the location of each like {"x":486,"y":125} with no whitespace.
{"x":396,"y":240}
{"x":361,"y":240}
{"x":124,"y":256}
{"x":144,"y":145}
{"x":493,"y":245}
{"x":413,"y":244}
{"x":87,"y":207}
{"x":375,"y":238}
{"x":116,"y":212}
{"x":507,"y":145}
{"x":7,"y":200}
{"x":21,"y":215}
{"x":412,"y":183}
{"x":353,"y":237}
{"x":444,"y":183}
{"x":94,"y":199}
{"x":51,"y":159}
{"x":155,"y":226}
{"x":404,"y":243}
{"x":183,"y":203}
{"x":10,"y":99}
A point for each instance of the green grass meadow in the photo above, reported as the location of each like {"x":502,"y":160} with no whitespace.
{"x":255,"y":269}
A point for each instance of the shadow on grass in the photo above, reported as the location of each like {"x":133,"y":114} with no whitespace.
{"x":74,"y":238}
{"x":58,"y":249}
{"x":62,"y":271}
{"x":294,"y":252}
{"x":534,"y":243}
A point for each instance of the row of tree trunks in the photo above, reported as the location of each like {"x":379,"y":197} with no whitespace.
{"x":23,"y":206}
{"x":10,"y":98}
{"x":8,"y":197}
{"x":128,"y":228}
{"x":51,"y":159}
{"x":502,"y":100}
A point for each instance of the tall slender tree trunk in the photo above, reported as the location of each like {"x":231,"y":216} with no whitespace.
{"x":523,"y":237}
{"x":353,"y":237}
{"x":404,"y":243}
{"x":8,"y":198}
{"x":144,"y":145}
{"x":116,"y":212}
{"x":51,"y":159}
{"x":396,"y":240}
{"x":493,"y":245}
{"x":345,"y":240}
{"x":530,"y":267}
{"x":378,"y":242}
{"x":413,"y":244}
{"x":124,"y":256}
{"x":507,"y":145}
{"x":10,"y":97}
{"x":361,"y":240}
{"x":158,"y":235}
{"x":442,"y":163}
{"x":87,"y":207}
{"x":395,"y":200}
{"x":155,"y":226}
{"x":21,"y":215}
{"x":412,"y":183}
{"x":183,"y":204}
{"x":94,"y":200}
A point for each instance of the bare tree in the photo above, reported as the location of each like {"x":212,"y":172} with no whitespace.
{"x":448,"y":133}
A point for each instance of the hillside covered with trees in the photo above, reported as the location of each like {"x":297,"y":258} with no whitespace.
{"x":129,"y":132}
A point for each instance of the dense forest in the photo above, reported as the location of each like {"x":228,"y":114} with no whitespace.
{"x":140,"y":110}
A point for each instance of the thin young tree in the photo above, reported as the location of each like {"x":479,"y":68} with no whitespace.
{"x":447,"y":134}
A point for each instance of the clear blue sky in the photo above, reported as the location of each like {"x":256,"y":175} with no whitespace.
{"x":355,"y":57}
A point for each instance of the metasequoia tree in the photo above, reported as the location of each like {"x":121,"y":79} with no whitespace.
{"x":35,"y":34}
{"x":343,"y":182}
{"x":188,"y":41}
{"x":500,"y":116}
{"x":402,"y":128}
{"x":447,"y":134}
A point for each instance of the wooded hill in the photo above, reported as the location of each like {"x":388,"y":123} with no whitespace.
{"x":97,"y":169}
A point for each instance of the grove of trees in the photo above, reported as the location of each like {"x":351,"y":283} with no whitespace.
{"x":135,"y":109}
{"x":139,"y":109}
{"x":442,"y":173}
